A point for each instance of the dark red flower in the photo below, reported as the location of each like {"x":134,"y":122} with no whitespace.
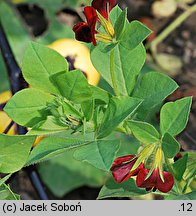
{"x":179,"y":155}
{"x":154,"y":181}
{"x":85,"y":31}
{"x":104,"y":6}
{"x":122,"y":166}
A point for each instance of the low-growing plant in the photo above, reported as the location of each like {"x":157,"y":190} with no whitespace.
{"x":68,"y":113}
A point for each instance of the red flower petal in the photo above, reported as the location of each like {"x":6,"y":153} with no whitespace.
{"x":177,"y":157}
{"x":168,"y":183}
{"x":148,"y":183}
{"x":83,"y":32}
{"x":154,"y":181}
{"x":122,"y":166}
{"x":101,"y":6}
{"x":120,"y":160}
{"x":91,"y":17}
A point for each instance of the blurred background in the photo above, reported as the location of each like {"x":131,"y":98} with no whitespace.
{"x":171,"y":49}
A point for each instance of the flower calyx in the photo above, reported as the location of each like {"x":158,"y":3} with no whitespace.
{"x":107,"y":25}
{"x":144,"y":155}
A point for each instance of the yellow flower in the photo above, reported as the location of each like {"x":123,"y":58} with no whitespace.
{"x":38,"y":139}
{"x":4,"y":122}
{"x":5,"y":96}
{"x":81,"y":54}
{"x":4,"y":119}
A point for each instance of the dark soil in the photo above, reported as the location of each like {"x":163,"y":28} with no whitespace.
{"x":181,"y":42}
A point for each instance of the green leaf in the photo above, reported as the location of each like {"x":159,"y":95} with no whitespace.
{"x":51,"y":146}
{"x":134,"y":34}
{"x":98,"y":116}
{"x":153,"y":89}
{"x":63,"y":174}
{"x":126,"y":189}
{"x":106,"y":48}
{"x":88,"y":109}
{"x":170,"y":146}
{"x":190,"y":171}
{"x":128,"y":144}
{"x":7,"y":194}
{"x":188,"y":196}
{"x":128,"y":64}
{"x":119,"y":108}
{"x":114,"y":14}
{"x":73,"y":86}
{"x":174,"y":116}
{"x":27,"y":107}
{"x":179,"y":167}
{"x":39,"y":64}
{"x":120,"y":24}
{"x":48,"y":126}
{"x":144,"y":132}
{"x":71,"y":109}
{"x":14,"y":152}
{"x":100,"y":154}
{"x":100,"y":94}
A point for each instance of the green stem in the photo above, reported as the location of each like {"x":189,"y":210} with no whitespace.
{"x":121,"y":130}
{"x":172,"y":26}
{"x":8,"y":188}
{"x":84,"y":126}
{"x":187,"y":185}
{"x":113,"y":73}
